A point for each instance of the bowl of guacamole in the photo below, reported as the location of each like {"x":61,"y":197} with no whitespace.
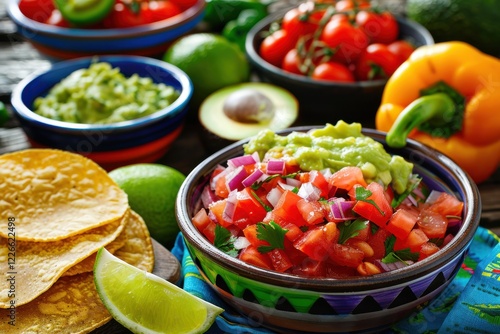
{"x":114,"y":109}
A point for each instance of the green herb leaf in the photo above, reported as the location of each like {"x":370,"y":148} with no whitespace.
{"x":273,"y":234}
{"x":258,"y":199}
{"x":413,"y":184}
{"x":401,"y":255}
{"x":257,"y":185}
{"x":350,"y":229}
{"x":362,"y":195}
{"x":224,"y":241}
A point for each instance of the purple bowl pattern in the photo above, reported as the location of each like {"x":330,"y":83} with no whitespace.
{"x":292,"y":304}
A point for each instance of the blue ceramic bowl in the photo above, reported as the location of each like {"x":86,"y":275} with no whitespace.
{"x":289,"y":303}
{"x":141,"y":140}
{"x":63,"y":43}
{"x":322,"y":101}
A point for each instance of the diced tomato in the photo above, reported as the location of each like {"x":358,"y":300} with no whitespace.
{"x":389,"y":194}
{"x":378,"y":213}
{"x":402,"y":222}
{"x":377,"y":242}
{"x":247,"y":209}
{"x":250,"y":232}
{"x":221,"y":188}
{"x":252,"y":256}
{"x":317,"y":242}
{"x":293,"y":231}
{"x":339,"y":272}
{"x":447,"y":205}
{"x":287,"y":209}
{"x":217,"y":209}
{"x":280,"y":260}
{"x":365,"y":233}
{"x":319,"y":181}
{"x":311,"y":211}
{"x":414,"y":241}
{"x":347,"y":256}
{"x":201,"y":220}
{"x":347,"y":177}
{"x":310,"y":268}
{"x":209,"y":232}
{"x":427,"y":249}
{"x":432,"y":223}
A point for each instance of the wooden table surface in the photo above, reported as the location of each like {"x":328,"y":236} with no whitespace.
{"x":18,"y":59}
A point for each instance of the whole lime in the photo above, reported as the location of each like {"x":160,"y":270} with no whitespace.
{"x":152,"y":190}
{"x":211,"y":62}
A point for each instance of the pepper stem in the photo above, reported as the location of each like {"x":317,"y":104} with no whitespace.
{"x":438,"y":109}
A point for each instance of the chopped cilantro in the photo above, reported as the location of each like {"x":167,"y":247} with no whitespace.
{"x":257,"y":185}
{"x":413,"y":184}
{"x":362,"y":195}
{"x":273,"y":234}
{"x":258,"y":199}
{"x":350,"y":229}
{"x":224,"y":241}
{"x":399,"y":255}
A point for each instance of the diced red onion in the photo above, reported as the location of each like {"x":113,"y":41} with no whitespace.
{"x":433,"y":196}
{"x":393,"y":265}
{"x":273,"y":196}
{"x":243,"y":160}
{"x":228,"y":212}
{"x":410,"y":201}
{"x":235,"y":178}
{"x":309,"y":191}
{"x":454,"y":221}
{"x":252,"y":178}
{"x":275,"y":167}
{"x":207,"y":196}
{"x":447,"y":239}
{"x":241,"y":242}
{"x":222,"y":171}
{"x":342,"y":209}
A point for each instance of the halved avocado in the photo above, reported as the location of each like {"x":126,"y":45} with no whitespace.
{"x":240,"y":111}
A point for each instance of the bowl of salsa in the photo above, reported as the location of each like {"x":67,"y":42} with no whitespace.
{"x":325,"y":228}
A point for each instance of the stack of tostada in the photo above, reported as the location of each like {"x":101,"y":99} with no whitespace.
{"x":57,"y":209}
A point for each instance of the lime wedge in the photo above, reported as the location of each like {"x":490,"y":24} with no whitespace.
{"x":146,"y":303}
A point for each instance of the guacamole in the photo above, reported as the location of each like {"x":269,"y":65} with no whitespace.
{"x":101,"y":94}
{"x":335,"y":147}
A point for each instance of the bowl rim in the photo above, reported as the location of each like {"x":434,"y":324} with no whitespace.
{"x":22,"y":110}
{"x":256,"y":60}
{"x":380,"y":281}
{"x":116,"y":33}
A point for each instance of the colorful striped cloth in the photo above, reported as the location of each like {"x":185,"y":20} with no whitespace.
{"x":470,"y":304}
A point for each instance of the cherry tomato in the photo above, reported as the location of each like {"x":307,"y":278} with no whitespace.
{"x":402,"y":49}
{"x":379,"y":27}
{"x":332,"y":71}
{"x":345,"y":5}
{"x":275,"y":46}
{"x":291,"y":62}
{"x":376,"y":62}
{"x":347,"y":40}
{"x":161,"y":10}
{"x":185,"y":4}
{"x":123,"y":16}
{"x":38,"y":10}
{"x":56,"y":19}
{"x":299,"y":22}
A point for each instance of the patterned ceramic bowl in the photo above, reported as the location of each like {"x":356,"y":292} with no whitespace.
{"x":144,"y":139}
{"x":292,"y":304}
{"x":64,"y":43}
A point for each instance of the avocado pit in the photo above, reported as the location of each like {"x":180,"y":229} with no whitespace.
{"x":248,"y":105}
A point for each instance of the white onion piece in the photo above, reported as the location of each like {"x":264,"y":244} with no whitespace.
{"x":286,"y":186}
{"x":275,"y":167}
{"x":243,"y":160}
{"x":273,"y":196}
{"x":241,"y":242}
{"x":293,"y":182}
{"x":234,"y":179}
{"x":309,"y":192}
{"x":252,"y":178}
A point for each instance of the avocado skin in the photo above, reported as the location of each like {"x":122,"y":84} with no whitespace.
{"x":476,"y":22}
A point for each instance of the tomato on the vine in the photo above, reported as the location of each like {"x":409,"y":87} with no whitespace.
{"x":299,"y":22}
{"x":379,"y":27}
{"x":346,"y":5}
{"x":347,"y":40}
{"x":124,"y":16}
{"x":38,"y":10}
{"x":275,"y":46}
{"x":333,"y":71}
{"x":291,"y":62}
{"x":56,"y":19}
{"x":185,"y":4}
{"x":376,"y":62}
{"x":161,"y":10}
{"x":402,"y":49}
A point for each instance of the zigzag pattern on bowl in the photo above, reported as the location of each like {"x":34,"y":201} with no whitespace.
{"x":312,"y":302}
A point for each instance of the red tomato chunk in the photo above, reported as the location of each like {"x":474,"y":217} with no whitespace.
{"x":323,"y":224}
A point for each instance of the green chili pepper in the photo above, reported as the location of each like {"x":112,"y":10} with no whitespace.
{"x":236,"y":30}
{"x":4,"y":114}
{"x":219,"y":12}
{"x":84,"y":12}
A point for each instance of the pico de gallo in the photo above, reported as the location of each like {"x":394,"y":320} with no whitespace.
{"x":266,"y":209}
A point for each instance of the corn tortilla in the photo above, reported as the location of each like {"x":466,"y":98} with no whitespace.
{"x":54,"y":194}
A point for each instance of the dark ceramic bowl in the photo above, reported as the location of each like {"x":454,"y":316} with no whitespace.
{"x":58,"y":43}
{"x":293,"y":304}
{"x":323,"y":101}
{"x":144,"y":139}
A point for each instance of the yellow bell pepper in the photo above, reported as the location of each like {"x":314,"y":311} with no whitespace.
{"x":447,"y":96}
